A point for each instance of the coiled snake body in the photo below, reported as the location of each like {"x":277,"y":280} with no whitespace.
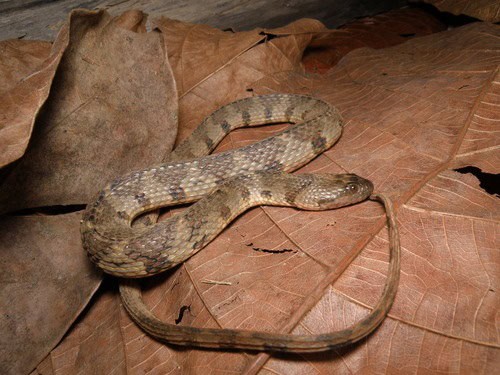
{"x":237,"y":180}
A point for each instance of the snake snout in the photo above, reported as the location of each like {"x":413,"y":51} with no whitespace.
{"x":330,"y":191}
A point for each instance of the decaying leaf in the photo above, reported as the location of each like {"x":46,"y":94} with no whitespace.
{"x":20,"y":58}
{"x":400,"y":136}
{"x":112,"y":109}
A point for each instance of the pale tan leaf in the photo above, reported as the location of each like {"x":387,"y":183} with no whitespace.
{"x":483,"y":133}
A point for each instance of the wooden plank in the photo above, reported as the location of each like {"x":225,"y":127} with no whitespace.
{"x":41,"y":19}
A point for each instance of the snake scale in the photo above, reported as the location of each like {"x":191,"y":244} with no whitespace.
{"x":231,"y":182}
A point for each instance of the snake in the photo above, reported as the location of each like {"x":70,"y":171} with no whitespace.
{"x":223,"y":186}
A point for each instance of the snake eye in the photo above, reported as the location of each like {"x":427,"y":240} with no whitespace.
{"x":353,"y":188}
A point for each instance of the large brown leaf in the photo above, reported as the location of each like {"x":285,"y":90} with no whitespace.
{"x":112,"y":108}
{"x":414,"y":112}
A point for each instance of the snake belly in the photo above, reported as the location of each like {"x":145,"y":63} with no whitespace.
{"x":125,"y":251}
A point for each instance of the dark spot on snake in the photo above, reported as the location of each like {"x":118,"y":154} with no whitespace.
{"x":290,"y":196}
{"x":268,"y":112}
{"x":230,"y":337}
{"x":153,"y":265}
{"x":178,"y":194}
{"x":246,"y":117}
{"x":141,"y":198}
{"x":101,"y":195}
{"x":132,"y":255}
{"x":200,"y":243}
{"x":274,"y":166}
{"x":209,"y":142}
{"x":289,"y":113}
{"x":305,"y":113}
{"x":225,"y":212}
{"x":319,"y":143}
{"x":245,"y":193}
{"x":225,"y":126}
{"x":266,"y":194}
{"x":122,"y":215}
{"x":114,"y":184}
{"x":274,"y":347}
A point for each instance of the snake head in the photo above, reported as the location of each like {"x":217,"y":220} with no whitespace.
{"x":328,"y":191}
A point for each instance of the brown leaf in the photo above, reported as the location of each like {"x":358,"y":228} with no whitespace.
{"x":214,"y":67}
{"x":380,"y":31}
{"x":20,"y":58}
{"x":112,"y":108}
{"x":46,"y":282}
{"x":486,"y":10}
{"x":26,"y":78}
{"x":409,"y":110}
{"x":94,"y":345}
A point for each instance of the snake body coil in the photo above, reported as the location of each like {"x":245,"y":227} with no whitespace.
{"x":238,"y":179}
{"x":122,"y":250}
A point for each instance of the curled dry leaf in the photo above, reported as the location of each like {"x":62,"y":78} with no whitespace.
{"x":112,"y":108}
{"x":412,"y":114}
{"x":486,"y":10}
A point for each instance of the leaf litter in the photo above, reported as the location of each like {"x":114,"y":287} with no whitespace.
{"x":414,"y":112}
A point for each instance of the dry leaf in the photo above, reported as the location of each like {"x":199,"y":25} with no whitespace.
{"x":413,"y":113}
{"x":46,"y":282}
{"x":20,"y":59}
{"x":486,"y":10}
{"x":27,"y":84}
{"x":112,"y":109}
{"x":215,"y":67}
{"x":380,"y":31}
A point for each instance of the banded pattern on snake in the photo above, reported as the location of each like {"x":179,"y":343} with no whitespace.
{"x":236,"y":180}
